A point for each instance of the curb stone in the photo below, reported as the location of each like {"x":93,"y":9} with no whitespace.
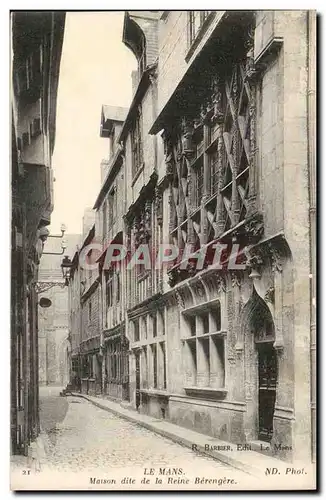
{"x":153,"y":426}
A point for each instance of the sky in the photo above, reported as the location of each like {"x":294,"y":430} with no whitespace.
{"x":95,"y":69}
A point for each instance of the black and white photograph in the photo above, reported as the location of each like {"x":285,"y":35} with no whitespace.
{"x":163,"y":250}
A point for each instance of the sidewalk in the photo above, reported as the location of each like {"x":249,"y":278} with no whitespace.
{"x":35,"y":458}
{"x":247,"y":461}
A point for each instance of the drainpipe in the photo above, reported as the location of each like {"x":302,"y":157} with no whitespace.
{"x":311,"y":126}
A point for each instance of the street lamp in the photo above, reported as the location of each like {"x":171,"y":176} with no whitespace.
{"x":66,"y":268}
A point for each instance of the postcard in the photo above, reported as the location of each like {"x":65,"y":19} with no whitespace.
{"x":163,"y":250}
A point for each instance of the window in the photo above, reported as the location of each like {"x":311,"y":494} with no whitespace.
{"x":218,"y":356}
{"x":236,"y":134}
{"x":154,"y":323}
{"x":109,"y":288}
{"x":136,"y":330}
{"x":197,"y":19}
{"x":153,"y":370}
{"x":89,"y":311}
{"x":118,"y":287}
{"x":114,"y":360}
{"x":219,"y":139}
{"x":136,"y":144}
{"x":204,"y":318}
{"x":204,"y":346}
{"x":104,"y":220}
{"x":191,"y":358}
{"x":215,"y":318}
{"x":144,"y":327}
{"x":161,"y":313}
{"x":112,"y":206}
{"x":162,"y":346}
{"x":191,"y":323}
{"x":154,"y":359}
{"x":144,"y":368}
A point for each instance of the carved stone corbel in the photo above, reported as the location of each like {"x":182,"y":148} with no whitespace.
{"x":218,"y":115}
{"x":221,"y":284}
{"x":275,"y":257}
{"x":270,"y":295}
{"x":187,"y":132}
{"x":169,"y":155}
{"x":250,"y":71}
{"x":179,"y":298}
{"x":159,"y":206}
{"x":236,"y":278}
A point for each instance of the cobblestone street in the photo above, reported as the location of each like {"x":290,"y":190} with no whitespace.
{"x":90,"y":439}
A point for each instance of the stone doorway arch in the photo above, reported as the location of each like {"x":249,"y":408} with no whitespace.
{"x":257,"y":335}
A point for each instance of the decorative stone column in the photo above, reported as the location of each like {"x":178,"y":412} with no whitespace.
{"x":250,"y":78}
{"x":220,"y":218}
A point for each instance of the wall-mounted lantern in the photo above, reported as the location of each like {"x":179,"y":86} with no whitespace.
{"x":66,"y":268}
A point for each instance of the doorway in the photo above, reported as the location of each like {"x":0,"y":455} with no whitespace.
{"x":261,"y":370}
{"x":267,"y":382}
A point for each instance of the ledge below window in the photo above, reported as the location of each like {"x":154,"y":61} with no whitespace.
{"x":155,"y":392}
{"x":206,"y":392}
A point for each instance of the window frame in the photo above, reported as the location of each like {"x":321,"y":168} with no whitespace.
{"x":194,"y":342}
{"x":153,"y":374}
{"x":137,"y":153}
{"x":112,"y":207}
{"x":109,"y":289}
{"x":194,"y":35}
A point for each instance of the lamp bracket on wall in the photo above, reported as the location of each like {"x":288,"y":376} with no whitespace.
{"x":54,"y":253}
{"x":44,"y":286}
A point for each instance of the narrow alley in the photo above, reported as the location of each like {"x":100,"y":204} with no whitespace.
{"x":81,"y":438}
{"x":163,"y":264}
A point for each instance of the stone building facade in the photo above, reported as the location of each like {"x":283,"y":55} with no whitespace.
{"x":217,"y":148}
{"x":36,"y":44}
{"x":240,"y":338}
{"x":110,"y":210}
{"x":53,"y":334}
